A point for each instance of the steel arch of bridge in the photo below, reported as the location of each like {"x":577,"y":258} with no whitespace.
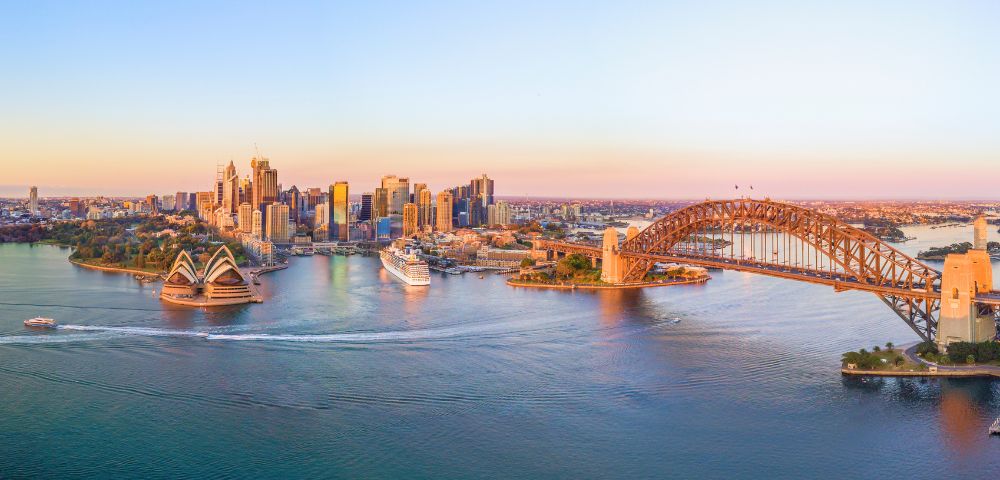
{"x":842,"y":256}
{"x":787,"y":241}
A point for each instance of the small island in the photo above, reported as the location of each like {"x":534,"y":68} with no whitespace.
{"x":885,"y":231}
{"x":577,"y":271}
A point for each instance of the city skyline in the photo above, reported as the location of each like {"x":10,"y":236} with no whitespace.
{"x":651,"y":101}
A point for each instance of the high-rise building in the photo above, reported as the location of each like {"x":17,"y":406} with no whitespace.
{"x":246,"y":189}
{"x":277,"y":222}
{"x":230,"y":189}
{"x":203,"y":199}
{"x":398,"y":191}
{"x":152,"y":201}
{"x":181,"y":201}
{"x":503,"y":213}
{"x":481,"y":188}
{"x":264,"y":182}
{"x":322,"y":214}
{"x":425,"y":208}
{"x":365,"y":213}
{"x":444,"y":201}
{"x":33,"y":201}
{"x":481,"y":197}
{"x":340,"y":218}
{"x":381,"y":203}
{"x":410,"y":219}
{"x":257,"y":224}
{"x":167,"y":203}
{"x":74,"y":207}
{"x":417,"y":188}
{"x":294,"y":200}
{"x":244,"y":218}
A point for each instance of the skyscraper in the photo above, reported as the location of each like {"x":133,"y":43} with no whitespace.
{"x":503,"y":213}
{"x":294,"y":200}
{"x":481,"y":197}
{"x":398,"y":191}
{"x":33,"y":201}
{"x":409,"y":219}
{"x":425,"y":208}
{"x":381,"y":203}
{"x":444,"y":201}
{"x":277,"y":222}
{"x":230,"y":189}
{"x":365,"y":214}
{"x":181,"y":201}
{"x":257,"y":224}
{"x":264,"y":183}
{"x":244,"y":218}
{"x":339,"y":215}
{"x":417,"y":188}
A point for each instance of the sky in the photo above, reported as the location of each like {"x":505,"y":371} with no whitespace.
{"x":611,"y":99}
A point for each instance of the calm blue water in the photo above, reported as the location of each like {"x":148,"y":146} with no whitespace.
{"x":346,"y":373}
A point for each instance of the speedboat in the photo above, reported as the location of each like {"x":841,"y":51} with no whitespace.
{"x":40,"y":322}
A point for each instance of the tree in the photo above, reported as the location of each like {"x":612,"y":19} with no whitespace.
{"x":527,"y":262}
{"x":889,"y":346}
{"x":970,"y":359}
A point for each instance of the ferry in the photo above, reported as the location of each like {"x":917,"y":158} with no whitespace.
{"x":40,"y":322}
{"x":406,"y":266}
{"x":995,"y":428}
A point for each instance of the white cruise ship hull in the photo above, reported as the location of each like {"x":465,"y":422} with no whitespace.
{"x":403,"y":276}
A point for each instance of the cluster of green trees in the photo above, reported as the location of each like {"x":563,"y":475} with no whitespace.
{"x":938,"y":253}
{"x":577,"y":268}
{"x":884,"y":230}
{"x":873,"y":360}
{"x":966,"y":352}
{"x":24,"y":233}
{"x":125,"y":242}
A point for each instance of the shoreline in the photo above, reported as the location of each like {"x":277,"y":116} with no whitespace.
{"x":575,"y":286}
{"x":114,"y":269}
{"x":933,"y":369}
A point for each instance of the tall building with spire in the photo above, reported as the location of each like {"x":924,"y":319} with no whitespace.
{"x":230,"y":189}
{"x":264,"y":182}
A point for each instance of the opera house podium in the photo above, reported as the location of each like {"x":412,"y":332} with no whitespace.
{"x":220,"y":283}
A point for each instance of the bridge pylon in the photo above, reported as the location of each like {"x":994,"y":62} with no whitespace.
{"x":612,"y":264}
{"x":965,"y":276}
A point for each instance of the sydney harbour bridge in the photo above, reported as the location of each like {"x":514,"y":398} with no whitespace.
{"x":797,"y":243}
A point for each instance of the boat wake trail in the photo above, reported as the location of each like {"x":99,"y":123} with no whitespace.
{"x":96,"y":332}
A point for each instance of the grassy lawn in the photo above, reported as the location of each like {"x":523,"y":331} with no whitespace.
{"x":884,"y":360}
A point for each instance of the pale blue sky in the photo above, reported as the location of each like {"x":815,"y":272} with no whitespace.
{"x":639,"y":99}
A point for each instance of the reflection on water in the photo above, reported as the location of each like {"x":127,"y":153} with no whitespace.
{"x":346,"y":371}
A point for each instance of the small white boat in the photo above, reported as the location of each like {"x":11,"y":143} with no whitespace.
{"x":40,"y":322}
{"x":995,"y":428}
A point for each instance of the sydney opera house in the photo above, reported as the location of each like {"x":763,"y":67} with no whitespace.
{"x":220,"y":283}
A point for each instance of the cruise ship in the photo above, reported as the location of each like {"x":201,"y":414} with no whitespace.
{"x":406,"y":266}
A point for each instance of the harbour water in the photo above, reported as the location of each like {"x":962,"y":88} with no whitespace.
{"x":346,"y":372}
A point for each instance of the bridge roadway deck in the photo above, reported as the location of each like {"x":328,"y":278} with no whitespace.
{"x":837,"y":280}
